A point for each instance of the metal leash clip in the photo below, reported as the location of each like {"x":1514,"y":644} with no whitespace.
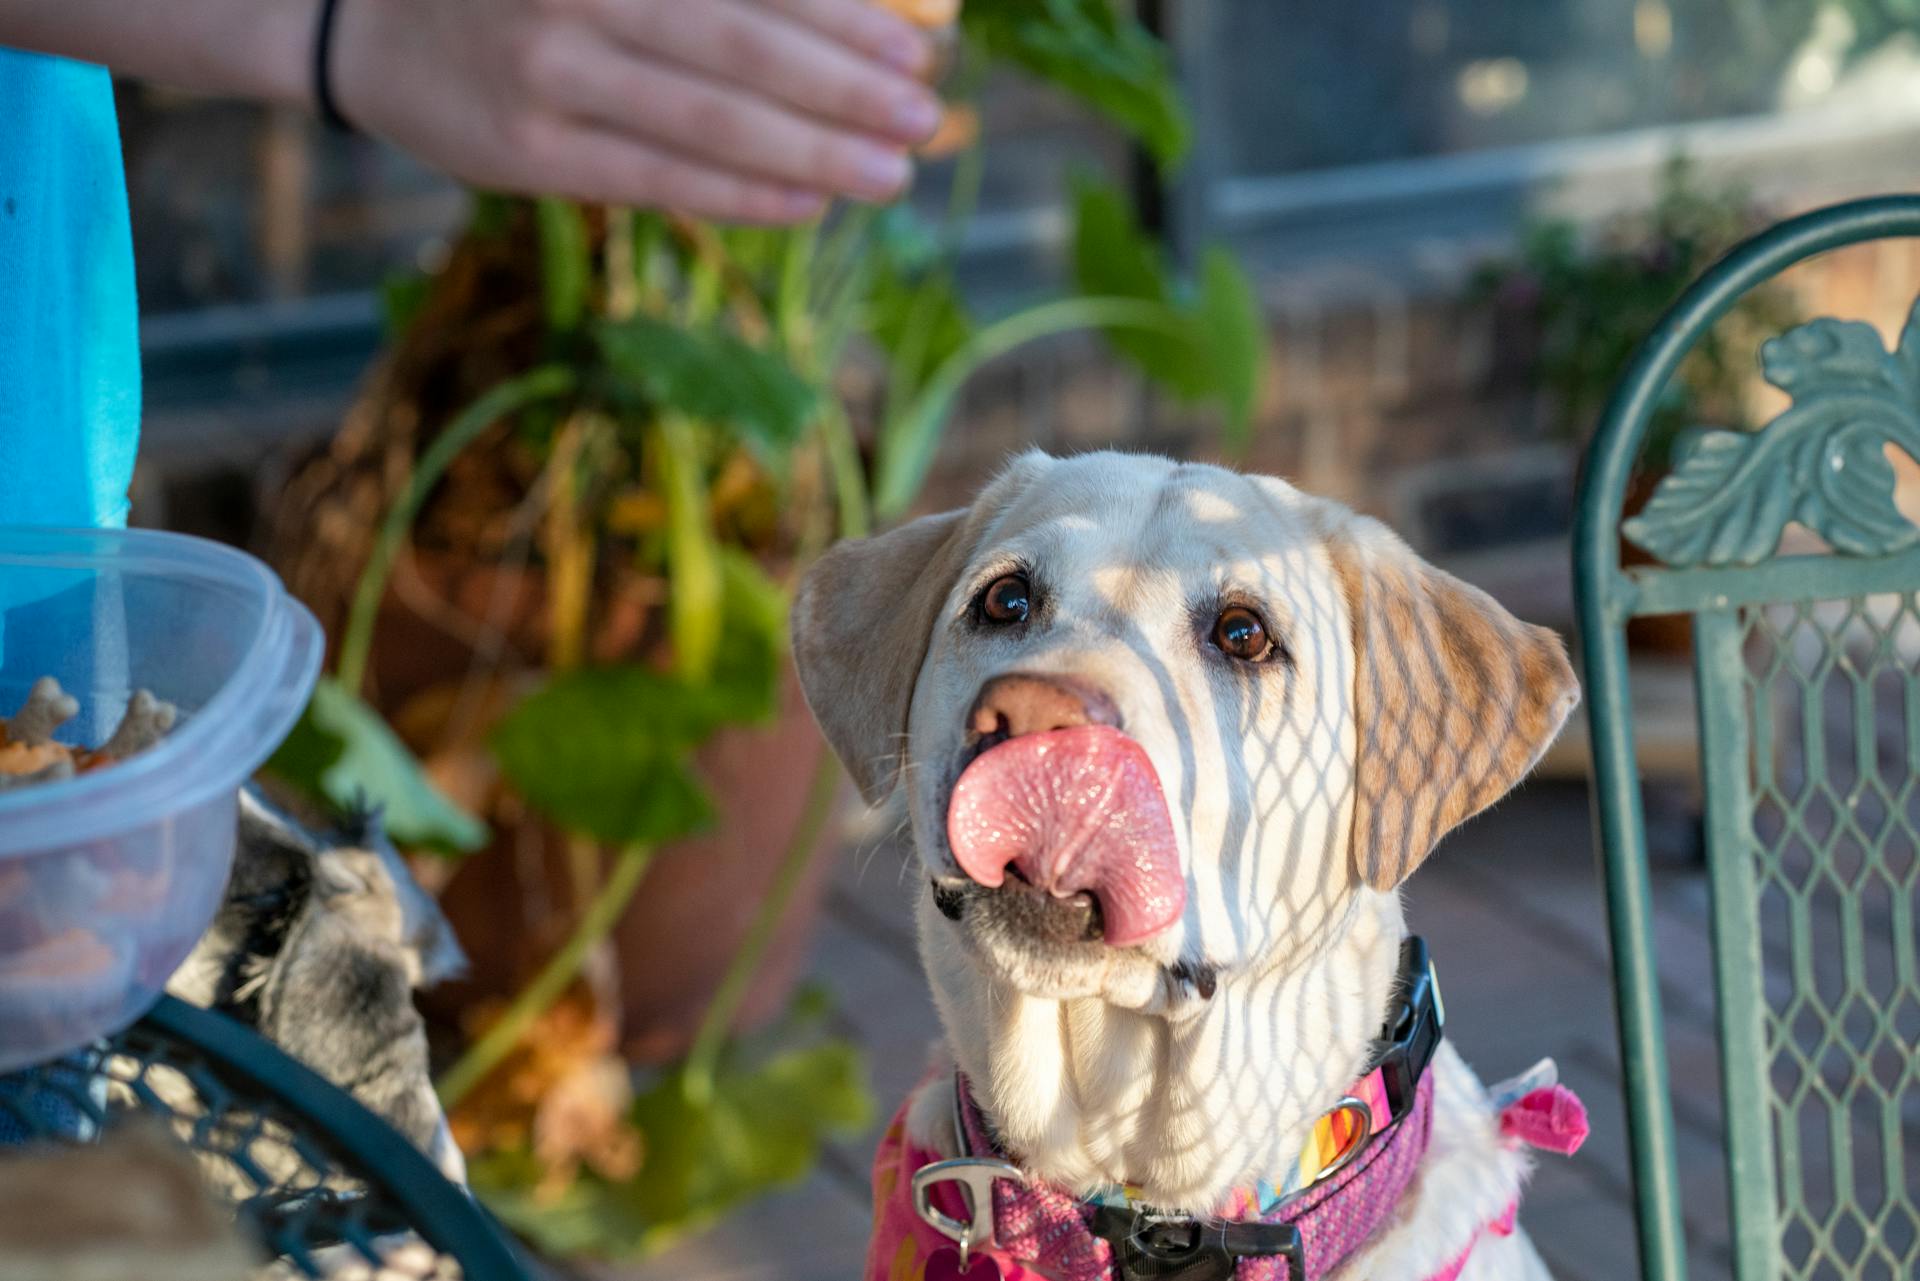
{"x":975,"y":1175}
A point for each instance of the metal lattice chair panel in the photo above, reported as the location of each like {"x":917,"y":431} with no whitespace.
{"x":321,"y":1185}
{"x":1807,"y":666}
{"x":1832,"y":699}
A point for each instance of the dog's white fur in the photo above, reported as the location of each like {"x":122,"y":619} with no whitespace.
{"x":1298,"y":799}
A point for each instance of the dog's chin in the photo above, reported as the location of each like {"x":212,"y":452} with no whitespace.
{"x":1045,"y":947}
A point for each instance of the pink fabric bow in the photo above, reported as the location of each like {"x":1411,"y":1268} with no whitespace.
{"x":1551,"y":1118}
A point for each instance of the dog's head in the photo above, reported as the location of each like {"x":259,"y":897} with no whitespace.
{"x":1159,"y":721}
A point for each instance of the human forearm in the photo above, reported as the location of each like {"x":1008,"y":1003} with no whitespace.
{"x":757,"y":110}
{"x":245,"y":48}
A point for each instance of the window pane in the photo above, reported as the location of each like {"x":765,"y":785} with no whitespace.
{"x":1310,"y":85}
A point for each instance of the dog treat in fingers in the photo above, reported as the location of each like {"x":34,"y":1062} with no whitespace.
{"x":29,"y":753}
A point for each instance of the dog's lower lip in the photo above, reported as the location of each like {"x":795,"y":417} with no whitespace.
{"x":1057,"y":913}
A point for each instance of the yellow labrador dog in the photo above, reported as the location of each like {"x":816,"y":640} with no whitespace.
{"x":1170,"y":739}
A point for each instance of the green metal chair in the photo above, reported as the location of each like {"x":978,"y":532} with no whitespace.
{"x":1808,"y":675}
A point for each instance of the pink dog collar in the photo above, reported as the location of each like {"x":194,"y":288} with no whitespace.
{"x":1042,"y":1233}
{"x":1295,"y":1225}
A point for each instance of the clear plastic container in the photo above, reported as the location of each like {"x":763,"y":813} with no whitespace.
{"x":106,"y":880}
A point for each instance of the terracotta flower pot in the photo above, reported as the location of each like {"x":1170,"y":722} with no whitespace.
{"x":512,"y":903}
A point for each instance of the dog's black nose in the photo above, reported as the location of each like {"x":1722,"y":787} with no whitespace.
{"x":1029,"y":703}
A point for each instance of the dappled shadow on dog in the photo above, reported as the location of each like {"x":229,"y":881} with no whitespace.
{"x":1318,"y":708}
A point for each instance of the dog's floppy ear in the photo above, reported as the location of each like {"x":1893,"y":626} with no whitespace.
{"x":1454,"y":699}
{"x":861,"y":623}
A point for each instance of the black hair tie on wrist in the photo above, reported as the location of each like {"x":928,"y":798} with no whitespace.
{"x":323,"y":99}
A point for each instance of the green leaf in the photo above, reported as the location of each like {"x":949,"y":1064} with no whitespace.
{"x":566,"y":263}
{"x":709,"y":374}
{"x":764,"y":1126}
{"x":1112,"y":257}
{"x":1218,"y":353}
{"x":343,"y":752}
{"x":918,"y":321}
{"x":1101,"y":56}
{"x":1235,"y":339}
{"x":606,"y":752}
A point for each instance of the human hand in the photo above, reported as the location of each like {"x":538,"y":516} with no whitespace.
{"x":739,"y":110}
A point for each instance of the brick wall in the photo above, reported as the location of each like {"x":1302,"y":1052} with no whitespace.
{"x":1365,"y":397}
{"x":1401,"y":403}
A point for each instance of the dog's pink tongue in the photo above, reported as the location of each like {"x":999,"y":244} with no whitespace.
{"x":1073,"y":809}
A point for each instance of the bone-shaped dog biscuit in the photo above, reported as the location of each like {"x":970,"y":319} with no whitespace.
{"x":29,"y":753}
{"x":47,"y":708}
{"x":146,"y":722}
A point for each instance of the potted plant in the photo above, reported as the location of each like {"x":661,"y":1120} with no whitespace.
{"x":555,"y":539}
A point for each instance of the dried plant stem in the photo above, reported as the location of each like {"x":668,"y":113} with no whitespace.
{"x":543,"y":383}
{"x":553,"y":979}
{"x":570,"y":549}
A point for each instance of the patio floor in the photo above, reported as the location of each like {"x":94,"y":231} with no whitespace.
{"x":1511,"y":905}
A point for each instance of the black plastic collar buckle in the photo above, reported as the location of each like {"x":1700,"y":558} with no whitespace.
{"x":1151,"y":1247}
{"x":1415,"y":1033}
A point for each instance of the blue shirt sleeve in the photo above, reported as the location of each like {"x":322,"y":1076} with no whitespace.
{"x":69,"y":319}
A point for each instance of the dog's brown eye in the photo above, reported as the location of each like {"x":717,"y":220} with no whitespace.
{"x":1240,"y":634}
{"x":1005,"y":600}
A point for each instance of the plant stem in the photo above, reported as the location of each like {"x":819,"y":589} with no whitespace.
{"x":842,"y":262}
{"x":907,"y":443}
{"x":849,"y":481}
{"x":554,"y":978}
{"x":622,"y":270}
{"x":570,"y":547}
{"x":516,"y":394}
{"x":792,"y":317}
{"x":697,"y":599}
{"x":704,"y":1057}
